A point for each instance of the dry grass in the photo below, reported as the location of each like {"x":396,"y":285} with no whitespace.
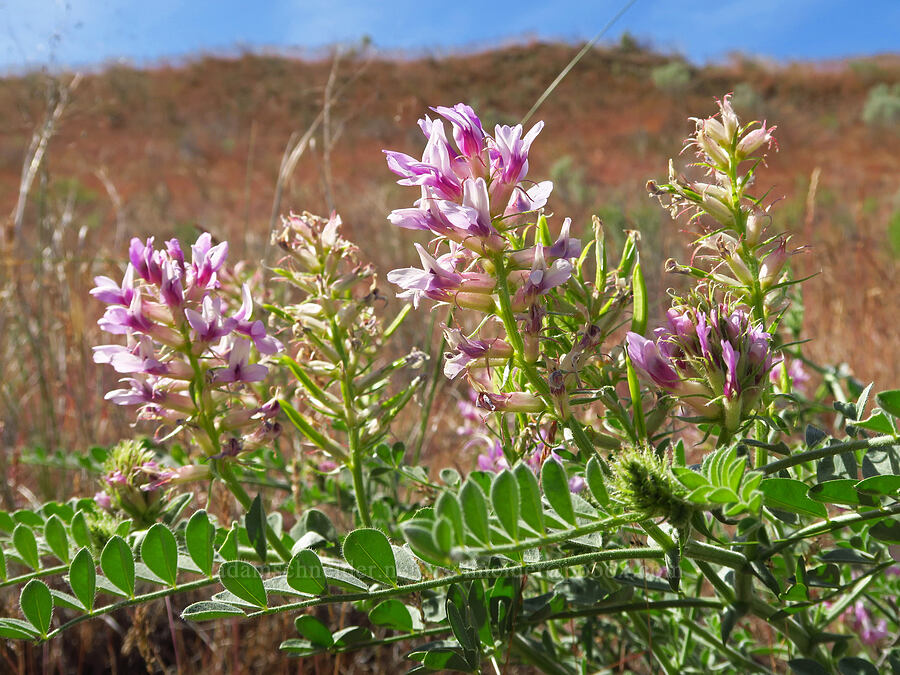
{"x":163,"y":152}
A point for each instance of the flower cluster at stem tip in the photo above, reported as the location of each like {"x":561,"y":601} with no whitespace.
{"x":744,"y":258}
{"x":711,"y":356}
{"x":475,"y":200}
{"x":188,"y":360}
{"x":134,"y":482}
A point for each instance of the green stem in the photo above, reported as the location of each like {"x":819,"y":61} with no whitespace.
{"x":228,"y":477}
{"x":721,"y":587}
{"x":403,"y":637}
{"x":563,"y":535}
{"x":667,"y":666}
{"x":425,"y":415}
{"x":513,"y":336}
{"x":826,"y":526}
{"x":662,"y":539}
{"x":49,"y":571}
{"x":205,"y":414}
{"x":836,"y":609}
{"x":637,"y":553}
{"x":637,"y":606}
{"x":261,"y":482}
{"x":359,"y":489}
{"x":136,"y":600}
{"x":696,"y":550}
{"x":761,"y":454}
{"x":348,"y":394}
{"x":505,"y":309}
{"x":736,"y":657}
{"x":581,"y":439}
{"x":536,"y":657}
{"x":830,"y":451}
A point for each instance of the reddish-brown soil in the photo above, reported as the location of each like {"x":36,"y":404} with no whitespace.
{"x":200,"y":145}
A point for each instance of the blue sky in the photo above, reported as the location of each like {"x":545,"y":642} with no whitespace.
{"x":70,"y":33}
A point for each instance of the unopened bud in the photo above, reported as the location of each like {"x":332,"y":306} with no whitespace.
{"x":753,"y":140}
{"x":718,"y":209}
{"x":517,"y":401}
{"x":772,"y":265}
{"x":754,"y":228}
{"x":717,"y":156}
{"x":734,"y":262}
{"x":729,"y":118}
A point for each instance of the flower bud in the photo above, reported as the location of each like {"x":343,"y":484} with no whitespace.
{"x":517,"y":401}
{"x":729,"y":118}
{"x":754,"y":228}
{"x":753,"y":140}
{"x":772,"y":265}
{"x":716,"y":208}
{"x":734,"y":262}
{"x":714,"y":152}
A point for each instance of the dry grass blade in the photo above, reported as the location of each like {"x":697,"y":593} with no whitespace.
{"x":571,"y":64}
{"x":296,"y":147}
{"x":35,"y":156}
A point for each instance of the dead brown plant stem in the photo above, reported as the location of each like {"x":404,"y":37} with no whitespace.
{"x":34,"y":157}
{"x":248,"y":176}
{"x":327,"y":178}
{"x":811,"y":203}
{"x":294,"y":151}
{"x":103,"y":176}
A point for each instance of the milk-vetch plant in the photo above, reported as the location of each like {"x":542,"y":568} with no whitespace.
{"x":336,"y":352}
{"x":662,"y":493}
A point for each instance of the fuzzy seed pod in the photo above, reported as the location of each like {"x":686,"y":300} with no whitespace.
{"x":645,"y":484}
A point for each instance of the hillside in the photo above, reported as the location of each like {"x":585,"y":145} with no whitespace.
{"x":162,"y":151}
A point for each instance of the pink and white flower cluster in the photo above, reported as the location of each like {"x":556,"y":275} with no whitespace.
{"x":474,"y":195}
{"x":715,"y":360}
{"x":179,"y":331}
{"x":474,"y":191}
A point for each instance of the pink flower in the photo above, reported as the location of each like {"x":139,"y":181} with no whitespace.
{"x":543,"y":278}
{"x":509,"y":153}
{"x":493,"y":460}
{"x":859,"y":619}
{"x":464,"y":351}
{"x":173,"y":320}
{"x":206,"y":260}
{"x":467,"y":131}
{"x":111,"y":293}
{"x":432,"y":281}
{"x":795,"y":370}
{"x":714,"y":359}
{"x":239,"y":368}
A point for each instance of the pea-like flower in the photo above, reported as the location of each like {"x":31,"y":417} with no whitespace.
{"x":437,"y":280}
{"x":712,"y":357}
{"x":493,"y":459}
{"x":859,"y":618}
{"x":468,"y":184}
{"x":465,"y":352}
{"x":179,"y":330}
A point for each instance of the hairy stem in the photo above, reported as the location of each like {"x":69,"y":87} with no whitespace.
{"x":228,"y":477}
{"x":830,"y":451}
{"x":470,"y":575}
{"x":563,"y":535}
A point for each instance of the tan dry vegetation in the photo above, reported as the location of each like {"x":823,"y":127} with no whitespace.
{"x":165,"y":151}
